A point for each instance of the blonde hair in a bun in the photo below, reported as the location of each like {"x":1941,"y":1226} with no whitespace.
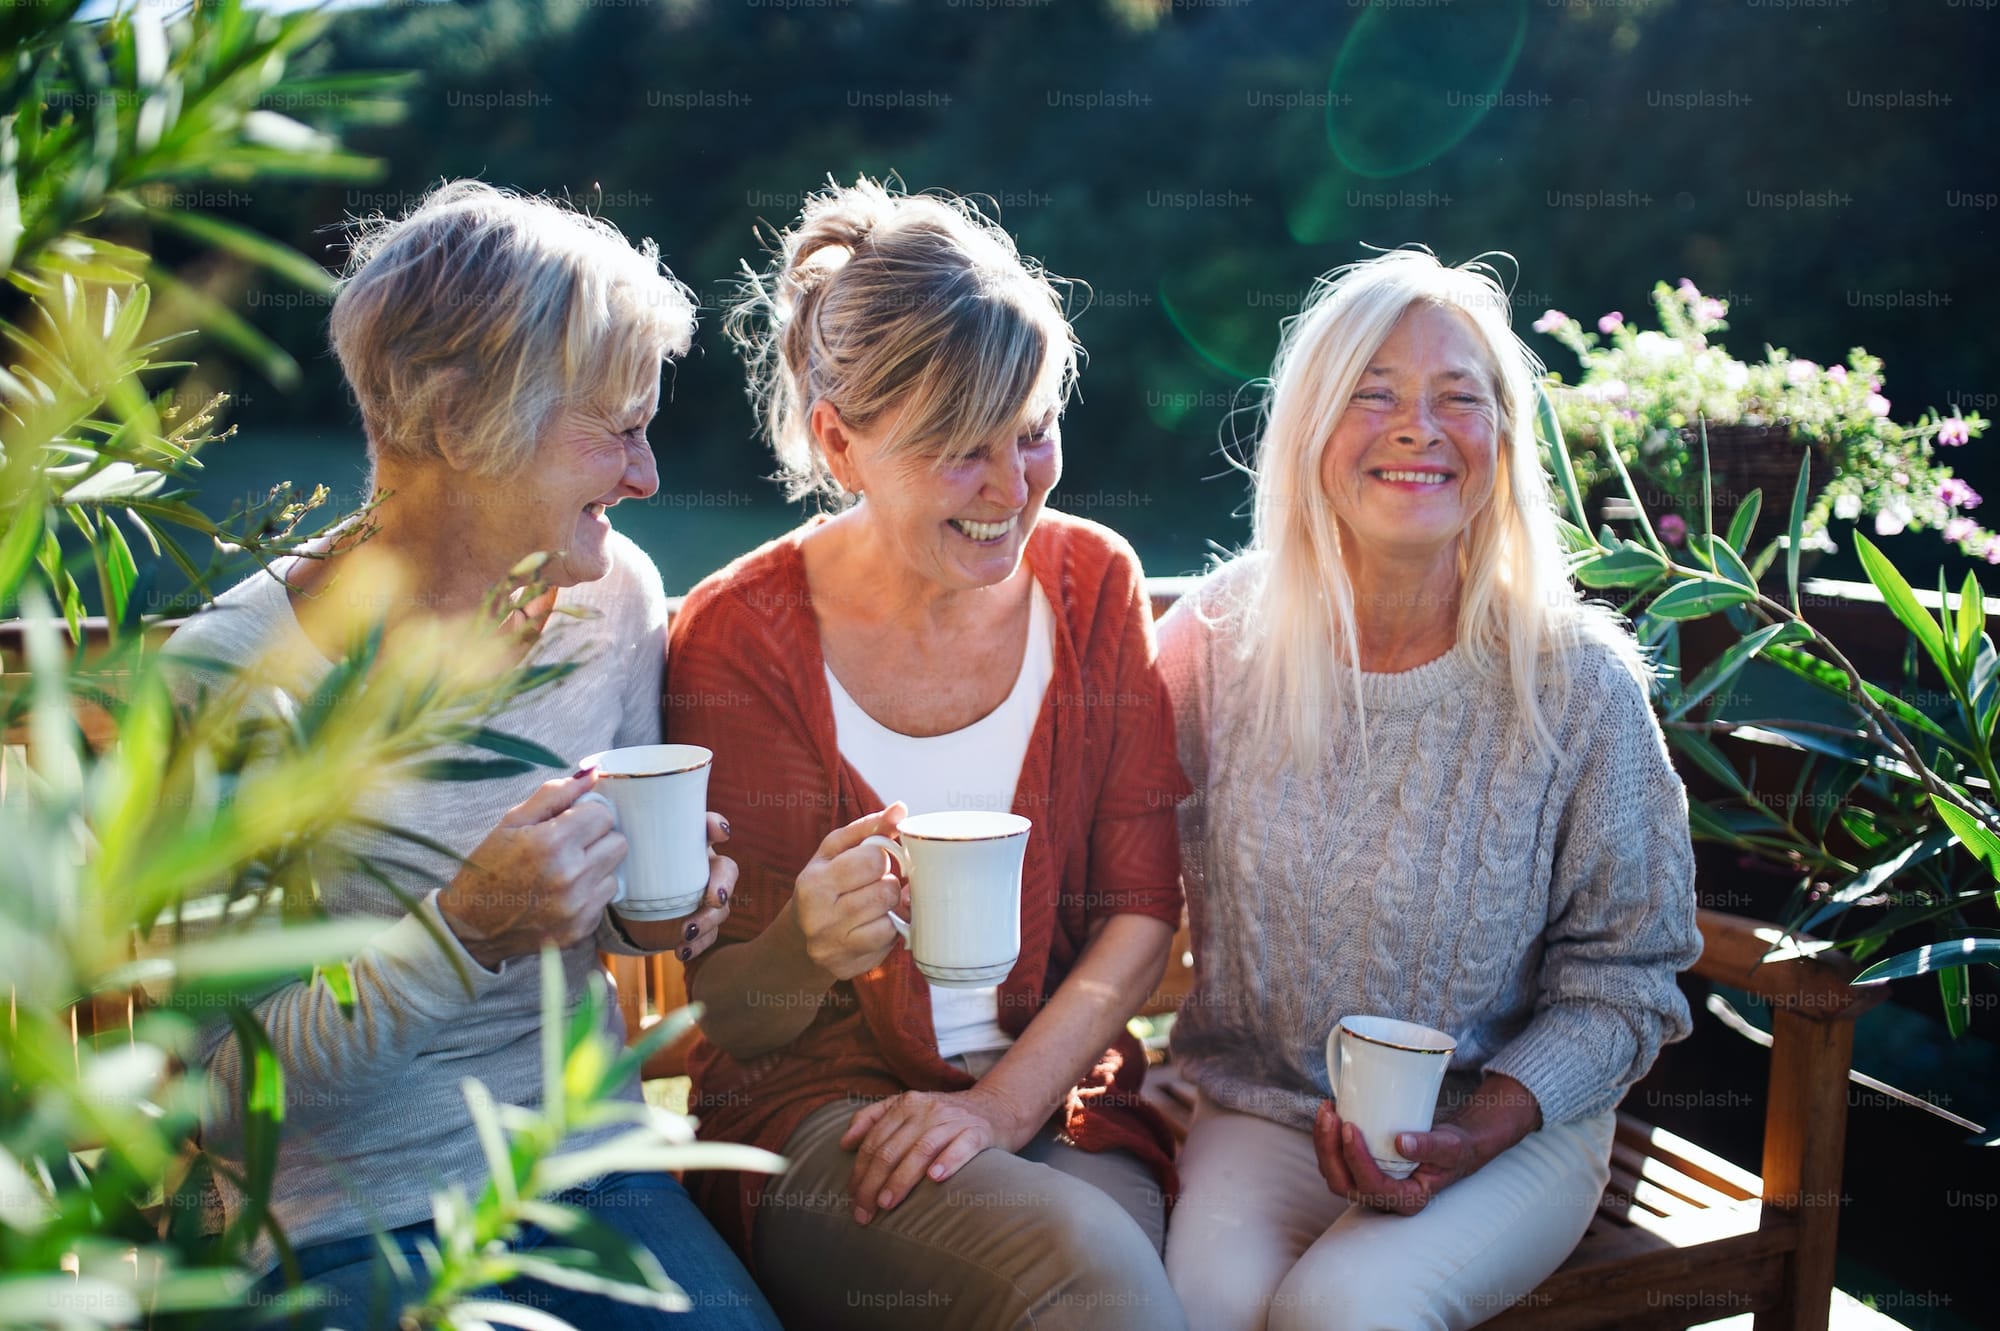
{"x":878,"y":301}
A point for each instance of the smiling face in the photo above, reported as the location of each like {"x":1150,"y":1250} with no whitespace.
{"x":1412,"y":459}
{"x":591,"y":458}
{"x":958,"y":523}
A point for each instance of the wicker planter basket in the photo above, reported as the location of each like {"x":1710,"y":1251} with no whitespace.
{"x":1741,"y":458}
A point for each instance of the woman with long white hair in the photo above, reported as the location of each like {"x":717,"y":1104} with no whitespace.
{"x":1429,"y":787}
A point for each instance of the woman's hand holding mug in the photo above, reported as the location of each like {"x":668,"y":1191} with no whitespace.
{"x":543,"y":875}
{"x":844,"y":896}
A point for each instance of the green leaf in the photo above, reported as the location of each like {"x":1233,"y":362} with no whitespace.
{"x":1722,"y":557}
{"x":1798,"y":530}
{"x":1955,"y":993}
{"x":1834,"y":681}
{"x":231,"y":329}
{"x":246,"y":244}
{"x":554,"y":993}
{"x":492,"y":1141}
{"x":663,"y":1032}
{"x":1852,"y":746}
{"x":115,"y":483}
{"x":1971,"y":621}
{"x":1979,"y":840}
{"x":1702,"y":751}
{"x":1903,"y":604}
{"x":1871,"y":880}
{"x":1697,"y":598}
{"x":1726,"y":667}
{"x":1555,"y":453}
{"x":1707,"y":532}
{"x":248,"y":956}
{"x":25,"y":528}
{"x":513,"y":746}
{"x":1631,"y":565}
{"x":338,"y":977}
{"x":261,"y":1088}
{"x":469,"y":769}
{"x":120,"y":573}
{"x":1931,"y":957}
{"x":1632,"y":493}
{"x":1745,"y":521}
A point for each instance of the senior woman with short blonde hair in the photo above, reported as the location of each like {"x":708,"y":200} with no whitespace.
{"x":505,"y":353}
{"x":1430,"y":788}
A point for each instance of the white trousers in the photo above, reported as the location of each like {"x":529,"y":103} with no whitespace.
{"x":1259,"y":1241}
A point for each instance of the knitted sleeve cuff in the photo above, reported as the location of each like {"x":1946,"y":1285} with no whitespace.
{"x":1571,"y":1057}
{"x":419,"y":973}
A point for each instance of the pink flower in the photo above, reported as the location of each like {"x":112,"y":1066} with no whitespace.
{"x":1550,"y":321}
{"x":1688,"y":289}
{"x":1957,"y":529}
{"x":1710,"y":310}
{"x":1611,"y":323}
{"x":1957,"y":493}
{"x":1673,"y":529}
{"x":1877,"y":405}
{"x":1992,"y":551}
{"x":1837,"y":373}
{"x":1801,"y":371}
{"x":1952,"y":432}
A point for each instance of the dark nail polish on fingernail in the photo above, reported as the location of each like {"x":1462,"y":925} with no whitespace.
{"x":693,"y":929}
{"x":725,"y":827}
{"x":686,"y":954}
{"x":722,"y":897}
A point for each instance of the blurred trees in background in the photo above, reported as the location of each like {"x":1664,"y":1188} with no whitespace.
{"x":1198,"y":164}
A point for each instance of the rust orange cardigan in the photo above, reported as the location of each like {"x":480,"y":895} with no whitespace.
{"x":1100,"y":780}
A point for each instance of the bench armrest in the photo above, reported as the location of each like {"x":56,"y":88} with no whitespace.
{"x":1800,"y":974}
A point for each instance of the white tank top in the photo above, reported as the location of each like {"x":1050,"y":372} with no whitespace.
{"x":976,"y":767}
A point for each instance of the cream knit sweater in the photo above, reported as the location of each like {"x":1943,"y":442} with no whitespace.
{"x":1535,"y":907}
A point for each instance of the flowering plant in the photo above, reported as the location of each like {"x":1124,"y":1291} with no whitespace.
{"x":1648,"y":391}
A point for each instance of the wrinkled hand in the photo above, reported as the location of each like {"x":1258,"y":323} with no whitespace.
{"x":923,"y":1133}
{"x":690,"y":935}
{"x":843,"y":898}
{"x":1444,"y":1155}
{"x":544,"y":874}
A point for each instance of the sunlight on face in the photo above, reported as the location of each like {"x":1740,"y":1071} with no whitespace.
{"x":1412,"y":459}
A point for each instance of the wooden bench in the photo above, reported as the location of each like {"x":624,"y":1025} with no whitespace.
{"x":1681,"y":1235}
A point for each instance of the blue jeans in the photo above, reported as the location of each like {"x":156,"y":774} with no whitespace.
{"x":360,"y":1291}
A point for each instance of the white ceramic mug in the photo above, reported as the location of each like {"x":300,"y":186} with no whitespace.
{"x":658,"y":793}
{"x":1386,"y":1075}
{"x":964,"y":869}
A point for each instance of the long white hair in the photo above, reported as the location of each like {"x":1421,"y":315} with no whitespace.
{"x":1517,"y":612}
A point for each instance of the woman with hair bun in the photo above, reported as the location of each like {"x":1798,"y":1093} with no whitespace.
{"x":1430,"y":788}
{"x":961,"y":1158}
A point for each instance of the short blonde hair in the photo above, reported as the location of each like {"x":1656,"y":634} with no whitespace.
{"x":1517,"y":613}
{"x":483,"y":313}
{"x":878,"y":301}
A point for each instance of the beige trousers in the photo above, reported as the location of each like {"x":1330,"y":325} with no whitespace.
{"x":1047,"y":1237}
{"x":1259,"y":1241}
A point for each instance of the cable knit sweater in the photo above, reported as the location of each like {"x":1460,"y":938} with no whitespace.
{"x":1536,"y":907}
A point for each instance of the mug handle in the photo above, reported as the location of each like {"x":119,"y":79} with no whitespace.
{"x":901,"y":858}
{"x":1333,"y":1062}
{"x":619,"y":872}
